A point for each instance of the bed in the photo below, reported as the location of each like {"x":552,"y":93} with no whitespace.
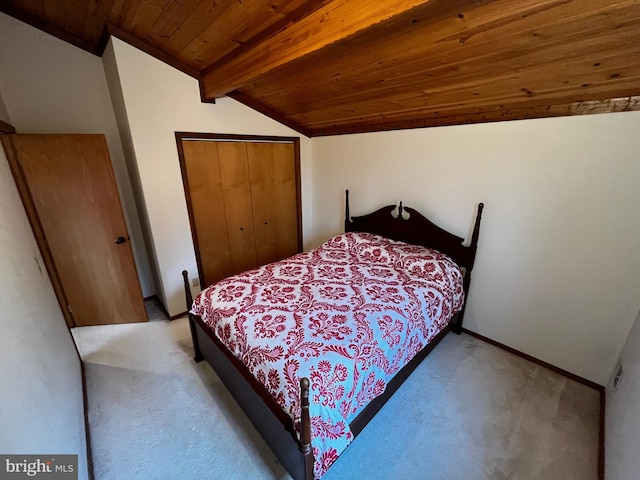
{"x":313,"y":346}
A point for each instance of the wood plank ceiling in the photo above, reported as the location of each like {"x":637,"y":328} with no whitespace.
{"x":327,"y":67}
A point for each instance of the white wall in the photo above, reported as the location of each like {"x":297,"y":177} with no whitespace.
{"x":160,"y":100}
{"x":120,"y":111}
{"x":41,"y":394}
{"x":622,"y":434}
{"x":50,"y":86}
{"x":558,"y":268}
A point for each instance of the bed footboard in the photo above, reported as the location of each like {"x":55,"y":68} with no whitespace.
{"x":273,"y":424}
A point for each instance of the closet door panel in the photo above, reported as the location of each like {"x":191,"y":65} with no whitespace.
{"x":263,"y":199}
{"x":286,"y":199}
{"x":236,"y":190}
{"x":207,"y":204}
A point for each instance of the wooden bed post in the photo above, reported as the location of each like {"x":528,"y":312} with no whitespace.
{"x":198,"y":357}
{"x":472,"y":253}
{"x":305,"y":429}
{"x":466,"y":281}
{"x":476,"y":233}
{"x":347,"y":220}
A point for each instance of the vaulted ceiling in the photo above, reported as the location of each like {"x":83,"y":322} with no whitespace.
{"x":327,"y":67}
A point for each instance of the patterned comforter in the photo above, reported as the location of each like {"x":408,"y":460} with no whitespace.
{"x":347,"y":315}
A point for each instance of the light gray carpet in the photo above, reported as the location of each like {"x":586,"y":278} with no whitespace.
{"x":470,"y":411}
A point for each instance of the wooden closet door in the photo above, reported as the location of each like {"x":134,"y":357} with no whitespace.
{"x":274,"y":200}
{"x":220,"y":201}
{"x":67,"y":185}
{"x":286,"y":199}
{"x":236,"y":191}
{"x":207,"y":205}
{"x":243,"y":200}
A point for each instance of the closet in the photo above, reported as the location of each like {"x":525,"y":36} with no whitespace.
{"x":243,"y":197}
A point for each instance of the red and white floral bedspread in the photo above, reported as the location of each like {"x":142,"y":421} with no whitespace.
{"x":347,"y":315}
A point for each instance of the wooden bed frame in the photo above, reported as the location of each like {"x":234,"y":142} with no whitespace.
{"x":267,"y":416}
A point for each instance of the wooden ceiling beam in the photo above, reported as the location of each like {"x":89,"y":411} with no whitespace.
{"x":350,"y":69}
{"x":332,"y":22}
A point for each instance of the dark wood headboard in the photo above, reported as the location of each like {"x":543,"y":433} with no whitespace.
{"x":416,"y":230}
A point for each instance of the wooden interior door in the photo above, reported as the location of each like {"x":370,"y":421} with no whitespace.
{"x":68,"y":188}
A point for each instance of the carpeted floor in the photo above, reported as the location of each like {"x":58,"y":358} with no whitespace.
{"x":470,"y":411}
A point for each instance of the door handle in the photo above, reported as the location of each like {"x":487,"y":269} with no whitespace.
{"x":120,"y":240}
